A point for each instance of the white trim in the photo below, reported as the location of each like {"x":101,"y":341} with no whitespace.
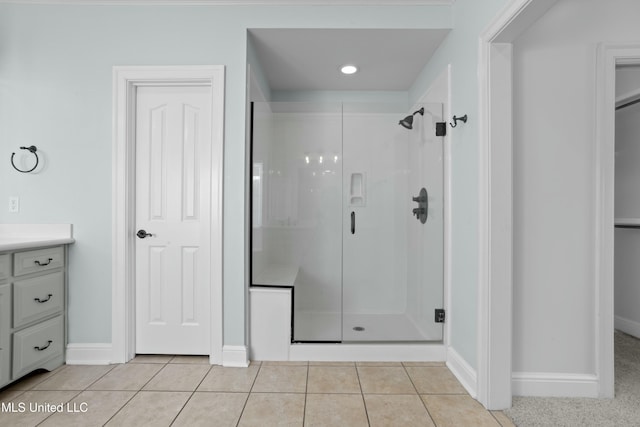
{"x":89,"y":354}
{"x":496,"y":230}
{"x":238,"y":2}
{"x":448,"y":222}
{"x":608,"y":56}
{"x":627,"y":326}
{"x":235,"y":356}
{"x":368,"y":352}
{"x":554,"y":385}
{"x":125,"y":81}
{"x":495,"y":250}
{"x":463,"y":371}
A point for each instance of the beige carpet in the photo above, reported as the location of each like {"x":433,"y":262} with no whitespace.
{"x":623,"y":411}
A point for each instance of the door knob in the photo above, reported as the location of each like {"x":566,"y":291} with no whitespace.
{"x":142,"y":234}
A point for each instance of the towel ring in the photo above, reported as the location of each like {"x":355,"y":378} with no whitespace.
{"x":32,"y":149}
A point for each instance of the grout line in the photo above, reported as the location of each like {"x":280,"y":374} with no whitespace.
{"x":181,"y":409}
{"x":101,"y":376}
{"x":136,"y":392}
{"x":152,"y":377}
{"x":404,"y":368}
{"x":191,"y":396}
{"x":419,"y":395}
{"x":69,"y":400}
{"x":203,"y":378}
{"x":495,"y":418}
{"x":364,"y":402}
{"x":249,"y":393}
{"x":359,"y":382}
{"x":306,"y":391}
{"x":123,"y":405}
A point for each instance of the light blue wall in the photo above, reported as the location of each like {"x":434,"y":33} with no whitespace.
{"x":460,"y":49}
{"x":55,"y":92}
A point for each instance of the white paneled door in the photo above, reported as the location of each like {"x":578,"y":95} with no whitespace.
{"x":173,"y":190}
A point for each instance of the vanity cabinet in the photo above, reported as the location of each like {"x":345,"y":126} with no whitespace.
{"x":32,"y":311}
{"x":5,"y":332}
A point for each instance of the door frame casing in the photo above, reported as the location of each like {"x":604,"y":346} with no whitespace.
{"x":609,"y":55}
{"x":495,"y":177}
{"x":126,"y":79}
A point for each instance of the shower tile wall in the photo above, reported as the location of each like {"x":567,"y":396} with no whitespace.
{"x":375,"y":257}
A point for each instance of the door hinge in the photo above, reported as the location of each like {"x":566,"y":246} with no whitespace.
{"x":441,"y":128}
{"x":439,"y":315}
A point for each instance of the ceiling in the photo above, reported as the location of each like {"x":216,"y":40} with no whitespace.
{"x":310,"y":59}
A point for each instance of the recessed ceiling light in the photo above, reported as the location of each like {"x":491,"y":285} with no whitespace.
{"x":349,"y":69}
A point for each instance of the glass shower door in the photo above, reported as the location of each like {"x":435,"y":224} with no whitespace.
{"x":392,"y":263}
{"x":297,"y":211}
{"x":332,"y":214}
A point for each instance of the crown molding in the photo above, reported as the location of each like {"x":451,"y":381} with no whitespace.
{"x":237,"y":2}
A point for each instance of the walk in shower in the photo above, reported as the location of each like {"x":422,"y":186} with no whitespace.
{"x":347,"y":210}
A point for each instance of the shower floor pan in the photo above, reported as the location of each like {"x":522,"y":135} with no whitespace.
{"x":319,"y":327}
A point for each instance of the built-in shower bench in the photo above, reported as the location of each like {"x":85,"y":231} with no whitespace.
{"x":276,"y":275}
{"x":271,"y":311}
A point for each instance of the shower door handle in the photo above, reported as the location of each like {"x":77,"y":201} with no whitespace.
{"x":353,"y":222}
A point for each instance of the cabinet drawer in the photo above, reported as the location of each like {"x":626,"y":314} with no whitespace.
{"x":5,"y":266}
{"x":36,"y":345}
{"x":37,"y":297}
{"x":38,"y":260}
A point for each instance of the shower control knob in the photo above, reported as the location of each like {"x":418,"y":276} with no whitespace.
{"x":418,"y":211}
{"x":422,"y":198}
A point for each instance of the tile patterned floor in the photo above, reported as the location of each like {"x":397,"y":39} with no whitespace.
{"x":187,"y":391}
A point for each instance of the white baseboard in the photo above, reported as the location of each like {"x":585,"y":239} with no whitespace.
{"x":235,"y":356}
{"x":463,"y":372}
{"x":89,"y":354}
{"x":544,"y":384}
{"x":627,"y":326}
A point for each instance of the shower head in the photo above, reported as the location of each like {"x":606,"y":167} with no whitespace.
{"x":407,"y":122}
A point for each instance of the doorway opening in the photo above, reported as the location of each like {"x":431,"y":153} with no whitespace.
{"x":626,"y":214}
{"x":610,"y":58}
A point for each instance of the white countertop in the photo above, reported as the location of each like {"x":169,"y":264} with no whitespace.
{"x":25,"y":236}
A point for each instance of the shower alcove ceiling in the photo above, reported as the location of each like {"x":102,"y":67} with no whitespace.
{"x":310,"y":59}
{"x":342,"y":289}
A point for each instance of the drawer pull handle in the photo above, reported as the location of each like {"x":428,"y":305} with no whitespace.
{"x":45,"y":347}
{"x":42,"y":264}
{"x":43,"y":300}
